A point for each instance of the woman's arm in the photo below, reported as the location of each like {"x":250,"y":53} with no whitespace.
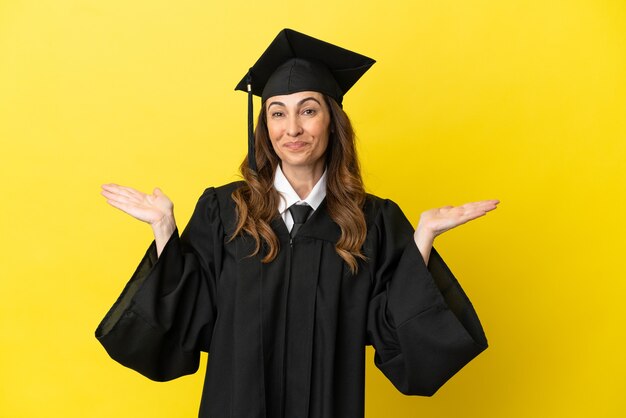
{"x":420,"y":321}
{"x":155,"y":209}
{"x":435,"y":222}
{"x":165,"y":315}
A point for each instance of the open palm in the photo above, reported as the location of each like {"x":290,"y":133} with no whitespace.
{"x":443,"y":219}
{"x":150,"y":208}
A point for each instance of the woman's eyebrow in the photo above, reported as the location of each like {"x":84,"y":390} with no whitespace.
{"x":276,"y":103}
{"x":307,"y":99}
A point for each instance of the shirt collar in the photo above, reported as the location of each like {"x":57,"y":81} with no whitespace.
{"x":289,"y":195}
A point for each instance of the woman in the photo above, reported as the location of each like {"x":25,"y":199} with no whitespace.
{"x":284,"y":278}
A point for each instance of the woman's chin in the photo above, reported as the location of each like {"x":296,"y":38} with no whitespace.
{"x":298,"y":163}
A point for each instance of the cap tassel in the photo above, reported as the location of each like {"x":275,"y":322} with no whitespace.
{"x":251,"y":154}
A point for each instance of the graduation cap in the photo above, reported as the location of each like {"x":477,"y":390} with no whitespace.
{"x":296,"y":62}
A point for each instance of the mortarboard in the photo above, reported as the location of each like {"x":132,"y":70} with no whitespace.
{"x":296,"y":62}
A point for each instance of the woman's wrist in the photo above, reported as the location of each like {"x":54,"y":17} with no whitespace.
{"x":424,"y":239}
{"x":163,"y":230}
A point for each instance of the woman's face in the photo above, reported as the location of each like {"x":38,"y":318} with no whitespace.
{"x":298,"y":126}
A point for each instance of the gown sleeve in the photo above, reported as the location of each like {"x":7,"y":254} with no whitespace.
{"x":165,"y":315}
{"x":420,"y":322}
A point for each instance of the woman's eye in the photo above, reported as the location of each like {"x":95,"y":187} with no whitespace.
{"x":277,"y":114}
{"x":309,"y":112}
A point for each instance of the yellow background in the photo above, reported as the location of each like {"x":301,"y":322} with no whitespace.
{"x":521,"y":100}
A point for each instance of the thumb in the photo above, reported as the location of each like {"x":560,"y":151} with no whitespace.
{"x":158,"y":195}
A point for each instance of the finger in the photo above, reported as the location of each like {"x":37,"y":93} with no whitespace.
{"x":119,"y":205}
{"x":130,"y":192}
{"x":477,"y":212}
{"x":477,"y":207}
{"x":109,"y":194}
{"x":109,"y":186}
{"x":490,"y":201}
{"x":489,"y":204}
{"x":486,"y":205}
{"x":131,"y":210}
{"x":123,"y":190}
{"x":473,"y":215}
{"x":116,"y":188}
{"x":112,"y":193}
{"x":120,"y":198}
{"x":157,"y":193}
{"x":161,"y":199}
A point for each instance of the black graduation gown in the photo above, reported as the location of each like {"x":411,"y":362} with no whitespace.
{"x":287,"y":338}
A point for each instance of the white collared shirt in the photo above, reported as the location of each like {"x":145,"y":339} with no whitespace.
{"x":290,"y":197}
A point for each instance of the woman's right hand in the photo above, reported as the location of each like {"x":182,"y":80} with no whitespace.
{"x":150,"y":208}
{"x":155,"y":209}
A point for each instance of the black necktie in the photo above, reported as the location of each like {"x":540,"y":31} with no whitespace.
{"x":299,"y":213}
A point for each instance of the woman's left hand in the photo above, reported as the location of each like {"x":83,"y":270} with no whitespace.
{"x":435,"y":222}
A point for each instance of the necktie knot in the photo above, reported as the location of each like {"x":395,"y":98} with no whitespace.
{"x":299,"y":213}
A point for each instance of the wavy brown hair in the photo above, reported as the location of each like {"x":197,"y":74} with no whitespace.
{"x":256,"y":201}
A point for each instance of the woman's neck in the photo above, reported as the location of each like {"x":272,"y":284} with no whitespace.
{"x":303,"y":178}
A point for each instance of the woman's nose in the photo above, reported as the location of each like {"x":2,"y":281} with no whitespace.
{"x":294,"y":128}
